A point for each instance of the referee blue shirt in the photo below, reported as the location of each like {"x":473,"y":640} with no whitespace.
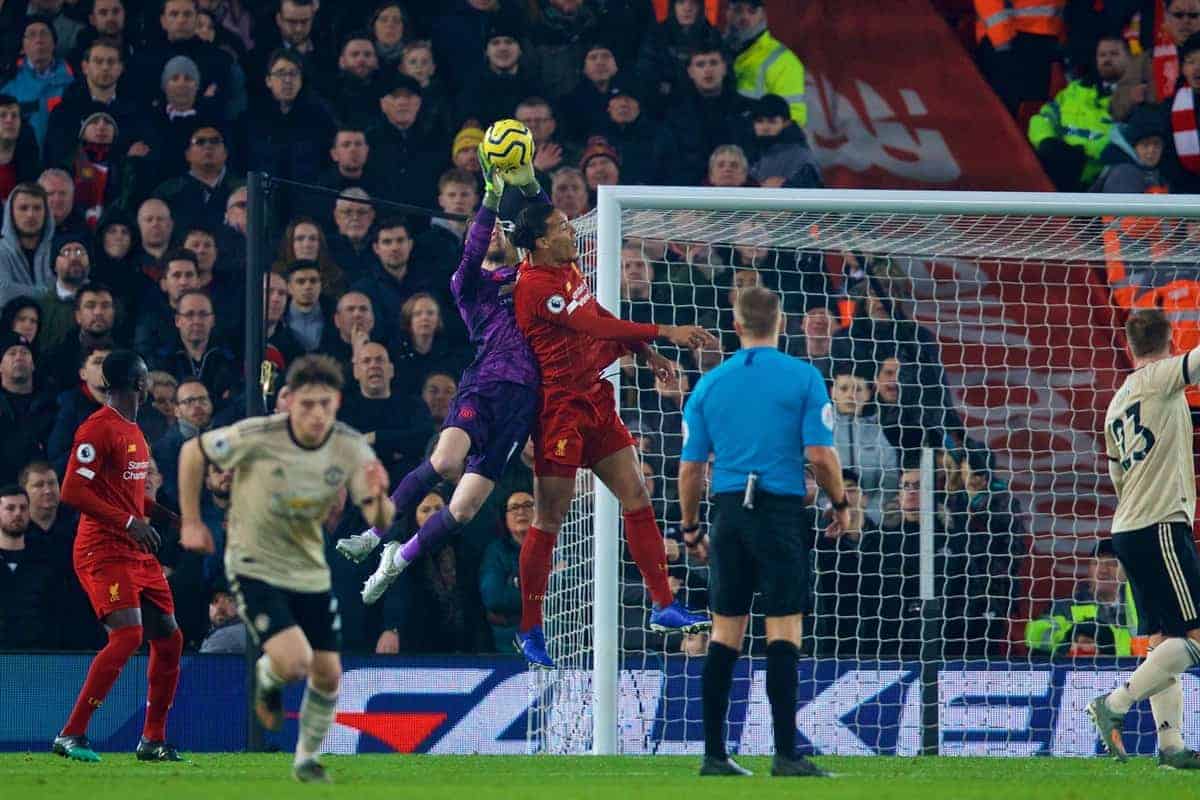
{"x":757,"y":412}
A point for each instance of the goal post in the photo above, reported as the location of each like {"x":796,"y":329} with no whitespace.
{"x":967,"y":254}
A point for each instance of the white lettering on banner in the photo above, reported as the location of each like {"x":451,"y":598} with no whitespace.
{"x":359,"y":686}
{"x":480,"y":728}
{"x":1074,"y":733}
{"x":840,"y":136}
{"x":637,"y":707}
{"x":968,"y":704}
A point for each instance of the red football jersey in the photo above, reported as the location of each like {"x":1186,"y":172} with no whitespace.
{"x":571,"y":336}
{"x":106,"y":482}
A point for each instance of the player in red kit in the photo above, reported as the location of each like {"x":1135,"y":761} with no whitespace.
{"x":114,"y":558}
{"x":574,"y":339}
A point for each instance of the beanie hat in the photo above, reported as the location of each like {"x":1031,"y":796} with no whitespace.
{"x":95,"y":115}
{"x":503,"y":26}
{"x":13,"y":339}
{"x":598,"y":147}
{"x":770,"y":105}
{"x":180,"y":65}
{"x":468,"y":138}
{"x":1143,"y":123}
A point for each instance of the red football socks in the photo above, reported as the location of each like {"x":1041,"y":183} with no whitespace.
{"x":649,"y":552}
{"x":106,"y":666}
{"x":163,"y":675}
{"x":537,"y":557}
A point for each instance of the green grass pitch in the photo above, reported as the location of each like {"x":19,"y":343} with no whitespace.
{"x":263,"y":777}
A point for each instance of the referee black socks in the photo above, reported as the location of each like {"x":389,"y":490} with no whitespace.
{"x":782,"y":659}
{"x":716,"y":683}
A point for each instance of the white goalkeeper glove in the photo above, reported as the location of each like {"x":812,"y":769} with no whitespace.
{"x":359,"y":546}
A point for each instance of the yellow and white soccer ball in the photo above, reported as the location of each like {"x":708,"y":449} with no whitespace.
{"x":508,"y":144}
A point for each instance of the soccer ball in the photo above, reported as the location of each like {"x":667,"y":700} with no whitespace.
{"x":508,"y":144}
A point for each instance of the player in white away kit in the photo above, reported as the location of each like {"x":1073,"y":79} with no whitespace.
{"x":1148,"y":437}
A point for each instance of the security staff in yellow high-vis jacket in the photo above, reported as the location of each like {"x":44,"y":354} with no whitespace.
{"x":763,"y":64}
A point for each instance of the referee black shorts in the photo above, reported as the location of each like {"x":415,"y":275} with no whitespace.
{"x":268,"y":610}
{"x":764,"y":550}
{"x":1163,"y":568}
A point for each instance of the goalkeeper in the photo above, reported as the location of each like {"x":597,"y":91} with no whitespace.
{"x":494,"y":408}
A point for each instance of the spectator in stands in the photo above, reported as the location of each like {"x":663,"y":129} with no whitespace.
{"x":550,"y":151}
{"x":727,"y":166}
{"x":195,"y":351}
{"x":1071,"y":130}
{"x":292,"y":30}
{"x":356,"y":89}
{"x":41,"y":77}
{"x":559,"y":34}
{"x":304,"y":240}
{"x":279,"y":335}
{"x":437,"y":103}
{"x":350,"y":247}
{"x":66,"y":29}
{"x":898,"y":401}
{"x":103,"y":64}
{"x":353,"y":326}
{"x":228,"y":631}
{"x":762,"y":63}
{"x":426,"y":605}
{"x":389,"y":27}
{"x":72,"y":267}
{"x":442,"y":243}
{"x":1184,"y":120}
{"x":156,"y":329}
{"x":46,"y":512}
{"x":306,"y":318}
{"x":1133,"y":160}
{"x":198,"y":198}
{"x":844,"y":611}
{"x":1018,"y":41}
{"x":26,"y":413}
{"x":630,"y":132}
{"x":706,"y":114}
{"x":860,"y":440}
{"x":499,"y":576}
{"x":568,"y":192}
{"x":79,"y":402}
{"x":203,"y":244}
{"x":20,"y":161}
{"x":193,"y":415}
{"x":23,"y":316}
{"x":99,"y":171}
{"x":177,"y":23}
{"x":231,"y":237}
{"x":396,"y":277}
{"x":396,"y":423}
{"x":106,"y":20}
{"x":586,"y":107}
{"x":437,"y":392}
{"x":464,"y":152}
{"x":28,"y":578}
{"x":156,"y":225}
{"x":179,"y":112}
{"x":1098,"y":619}
{"x":26,"y":243}
{"x":407,"y":142}
{"x":60,"y":199}
{"x":662,"y":61}
{"x":423,"y":347}
{"x":114,"y":263}
{"x":288,"y":134}
{"x":162,"y":386}
{"x":984,"y":542}
{"x":350,"y":154}
{"x":600,"y":164}
{"x":815,"y":342}
{"x":778,"y":153}
{"x":1154,"y":75}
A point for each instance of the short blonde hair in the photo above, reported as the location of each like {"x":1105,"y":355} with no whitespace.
{"x":757,"y":311}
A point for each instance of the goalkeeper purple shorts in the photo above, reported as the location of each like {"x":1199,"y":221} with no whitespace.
{"x":497,"y":417}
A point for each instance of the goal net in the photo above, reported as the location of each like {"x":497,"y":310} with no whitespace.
{"x":971,"y":345}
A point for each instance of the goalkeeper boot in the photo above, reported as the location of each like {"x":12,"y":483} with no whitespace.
{"x":677,"y":618}
{"x":723,"y":766}
{"x":796,"y":767}
{"x":1109,"y":724}
{"x":1179,"y":759}
{"x":359,"y":546}
{"x":148,"y":750}
{"x":385,"y":574}
{"x":532,"y":645}
{"x":311,"y":771}
{"x":76,"y":748}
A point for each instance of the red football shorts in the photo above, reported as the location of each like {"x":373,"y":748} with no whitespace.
{"x":577,"y":429}
{"x":114,"y":585}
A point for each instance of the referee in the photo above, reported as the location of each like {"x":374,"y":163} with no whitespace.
{"x":761,"y":414}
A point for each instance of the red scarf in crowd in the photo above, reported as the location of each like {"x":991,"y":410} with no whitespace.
{"x":1183,"y":123}
{"x":91,"y":181}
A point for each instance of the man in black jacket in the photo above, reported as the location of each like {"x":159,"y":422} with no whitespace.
{"x":103,"y":64}
{"x":28,"y":578}
{"x":26,"y":415}
{"x":405,"y":141}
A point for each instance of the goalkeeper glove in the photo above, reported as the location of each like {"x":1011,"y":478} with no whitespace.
{"x":523,"y":178}
{"x":493,"y":183}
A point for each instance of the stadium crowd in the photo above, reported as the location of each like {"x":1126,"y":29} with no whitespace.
{"x":126,"y":130}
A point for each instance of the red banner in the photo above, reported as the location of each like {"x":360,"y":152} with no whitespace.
{"x":894,"y":102}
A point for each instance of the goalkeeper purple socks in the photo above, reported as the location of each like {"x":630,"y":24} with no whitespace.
{"x":431,"y":534}
{"x":413,"y":486}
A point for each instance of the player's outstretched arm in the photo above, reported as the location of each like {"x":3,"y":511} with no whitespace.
{"x":193,"y":533}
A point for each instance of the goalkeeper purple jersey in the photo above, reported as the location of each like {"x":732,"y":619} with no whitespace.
{"x":484,"y":301}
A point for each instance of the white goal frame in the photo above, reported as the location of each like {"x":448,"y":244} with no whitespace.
{"x":613,"y":200}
